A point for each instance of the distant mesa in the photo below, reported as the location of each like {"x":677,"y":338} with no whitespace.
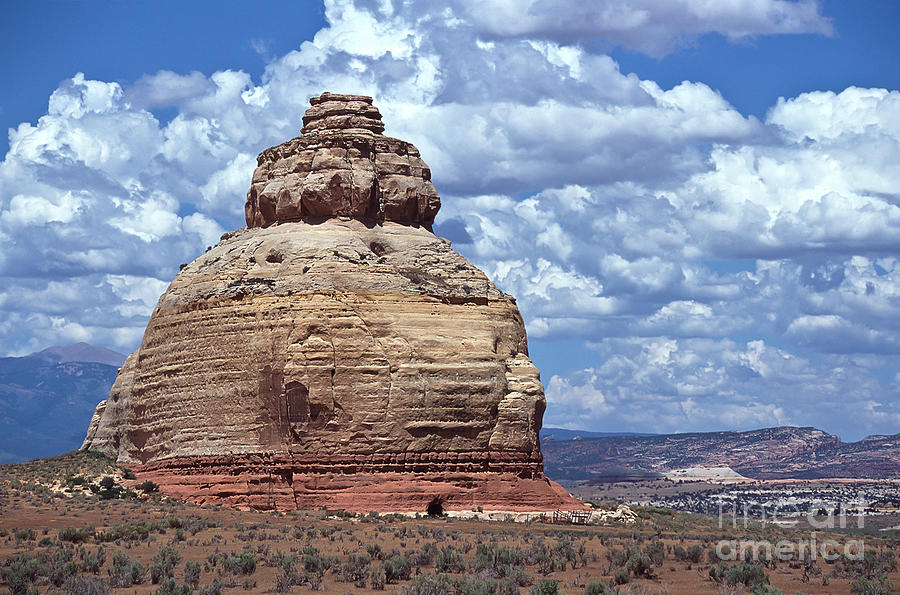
{"x":335,"y":352}
{"x":765,"y":454}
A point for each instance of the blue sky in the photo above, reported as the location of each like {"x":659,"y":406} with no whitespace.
{"x":696,"y":204}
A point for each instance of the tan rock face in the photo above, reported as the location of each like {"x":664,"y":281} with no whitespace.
{"x":346,"y":362}
{"x":108,"y":423}
{"x":342,"y":165}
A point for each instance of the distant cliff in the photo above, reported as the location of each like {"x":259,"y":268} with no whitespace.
{"x":770,"y":453}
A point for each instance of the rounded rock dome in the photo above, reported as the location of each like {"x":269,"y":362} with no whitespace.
{"x":335,"y":352}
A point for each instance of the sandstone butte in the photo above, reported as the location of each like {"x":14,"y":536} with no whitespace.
{"x":334,"y":352}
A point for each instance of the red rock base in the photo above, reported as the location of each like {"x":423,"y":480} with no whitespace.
{"x":283,"y":483}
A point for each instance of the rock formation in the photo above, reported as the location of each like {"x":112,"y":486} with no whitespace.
{"x":342,"y":166}
{"x":335,"y":352}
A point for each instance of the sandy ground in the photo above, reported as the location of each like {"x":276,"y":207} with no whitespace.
{"x":223,"y":532}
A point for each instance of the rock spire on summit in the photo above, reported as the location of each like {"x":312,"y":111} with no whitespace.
{"x":338,"y":111}
{"x":341,"y":165}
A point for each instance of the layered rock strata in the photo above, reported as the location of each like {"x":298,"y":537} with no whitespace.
{"x":342,"y":166}
{"x":334,"y":352}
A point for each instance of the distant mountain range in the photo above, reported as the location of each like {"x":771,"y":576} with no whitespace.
{"x":47,"y":398}
{"x":770,"y":453}
{"x":564,"y":434}
{"x":82,"y":352}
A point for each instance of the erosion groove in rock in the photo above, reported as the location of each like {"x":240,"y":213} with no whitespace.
{"x":347,"y":358}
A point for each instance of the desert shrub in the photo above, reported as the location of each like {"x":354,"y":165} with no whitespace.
{"x":546,"y":560}
{"x":137,"y":531}
{"x":425,"y":555}
{"x":639,"y":564}
{"x":598,"y":588}
{"x":192,"y":573}
{"x":107,"y":489}
{"x":22,"y":571}
{"x":279,"y":559}
{"x":59,"y":565}
{"x":621,"y":576}
{"x":747,"y":574}
{"x":316,"y":563}
{"x":693,"y":553}
{"x":616,"y":558}
{"x":501,"y":563}
{"x":476,"y":585}
{"x":25,"y":534}
{"x":128,"y":474}
{"x":168,"y":586}
{"x":717,"y":572}
{"x":214,"y":588}
{"x":656,"y":550}
{"x":880,"y":584}
{"x":377,"y":577}
{"x":355,"y":570}
{"x":374,"y":551}
{"x":92,"y":561}
{"x":124,"y":572}
{"x":503,"y":587}
{"x":76,"y":535}
{"x":163,"y":565}
{"x":284,"y":581}
{"x":287,"y":575}
{"x":449,"y":560}
{"x":196,"y":524}
{"x":396,"y":568}
{"x":872,"y":564}
{"x":565,"y":552}
{"x":243,"y":563}
{"x":439,"y":584}
{"x":148,"y":487}
{"x":248,"y":584}
{"x":487,"y":557}
{"x":652,"y":513}
{"x":548,"y":586}
{"x":85,"y":585}
{"x":514,"y":574}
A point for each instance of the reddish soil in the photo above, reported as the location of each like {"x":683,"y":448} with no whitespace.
{"x":207,"y":531}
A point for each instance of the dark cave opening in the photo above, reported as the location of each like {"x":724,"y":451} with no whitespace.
{"x":435,"y":508}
